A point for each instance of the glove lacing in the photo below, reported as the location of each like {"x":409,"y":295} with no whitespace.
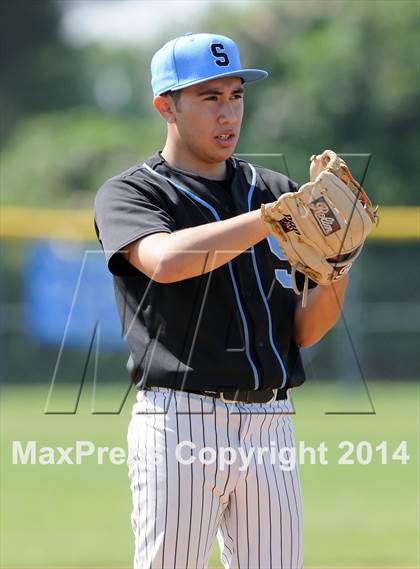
{"x":304,"y":291}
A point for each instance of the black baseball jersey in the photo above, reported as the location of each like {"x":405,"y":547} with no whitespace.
{"x":228,"y":329}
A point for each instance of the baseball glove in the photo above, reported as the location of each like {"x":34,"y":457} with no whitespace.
{"x":322,"y":227}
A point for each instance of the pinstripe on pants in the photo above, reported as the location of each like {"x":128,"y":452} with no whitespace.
{"x":179,"y":508}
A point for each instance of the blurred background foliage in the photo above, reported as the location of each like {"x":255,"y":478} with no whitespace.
{"x":342,"y":75}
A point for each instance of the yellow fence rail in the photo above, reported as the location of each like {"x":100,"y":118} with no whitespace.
{"x":396,"y":223}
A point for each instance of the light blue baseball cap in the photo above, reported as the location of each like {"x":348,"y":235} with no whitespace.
{"x":194,"y":58}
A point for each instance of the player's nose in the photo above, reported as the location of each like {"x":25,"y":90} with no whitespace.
{"x":229,"y":114}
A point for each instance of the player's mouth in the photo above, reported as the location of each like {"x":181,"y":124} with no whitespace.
{"x":226,"y":140}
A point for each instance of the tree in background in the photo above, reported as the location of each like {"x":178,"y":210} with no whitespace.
{"x":39,"y":71}
{"x":342,"y":75}
{"x":61,"y":158}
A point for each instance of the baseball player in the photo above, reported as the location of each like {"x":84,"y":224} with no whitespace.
{"x":212,"y":325}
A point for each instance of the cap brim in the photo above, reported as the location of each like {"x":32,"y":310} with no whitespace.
{"x":248,"y":76}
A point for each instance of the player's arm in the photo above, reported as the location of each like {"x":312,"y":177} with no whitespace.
{"x":320,"y":314}
{"x":172,"y":257}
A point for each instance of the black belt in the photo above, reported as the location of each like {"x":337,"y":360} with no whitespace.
{"x":242,"y":395}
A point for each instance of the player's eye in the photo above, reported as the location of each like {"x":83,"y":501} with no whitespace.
{"x":211,"y":98}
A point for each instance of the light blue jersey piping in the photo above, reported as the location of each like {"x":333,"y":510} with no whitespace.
{"x":257,"y":275}
{"x":232,"y":276}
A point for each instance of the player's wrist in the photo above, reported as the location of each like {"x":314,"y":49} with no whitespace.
{"x":341,"y":283}
{"x":336,"y":288}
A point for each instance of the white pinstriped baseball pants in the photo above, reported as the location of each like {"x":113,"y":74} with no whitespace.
{"x":179,"y":508}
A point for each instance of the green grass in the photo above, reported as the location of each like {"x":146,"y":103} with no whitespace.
{"x":79,"y":515}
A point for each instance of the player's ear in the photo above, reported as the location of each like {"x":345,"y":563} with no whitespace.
{"x":165,"y":106}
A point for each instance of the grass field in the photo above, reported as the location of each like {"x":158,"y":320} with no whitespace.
{"x":356,"y":515}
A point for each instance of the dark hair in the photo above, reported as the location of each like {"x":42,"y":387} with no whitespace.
{"x":176,"y":95}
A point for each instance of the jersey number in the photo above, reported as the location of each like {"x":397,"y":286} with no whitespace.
{"x":282,"y":275}
{"x":221,"y":57}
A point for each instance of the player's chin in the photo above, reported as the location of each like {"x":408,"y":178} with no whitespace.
{"x":223,"y":152}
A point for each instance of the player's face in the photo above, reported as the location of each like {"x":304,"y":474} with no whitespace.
{"x":208,"y":118}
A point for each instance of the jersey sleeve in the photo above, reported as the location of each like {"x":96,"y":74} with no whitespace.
{"x":124,"y":213}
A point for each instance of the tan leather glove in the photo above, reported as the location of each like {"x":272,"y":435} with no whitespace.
{"x":322,"y":227}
